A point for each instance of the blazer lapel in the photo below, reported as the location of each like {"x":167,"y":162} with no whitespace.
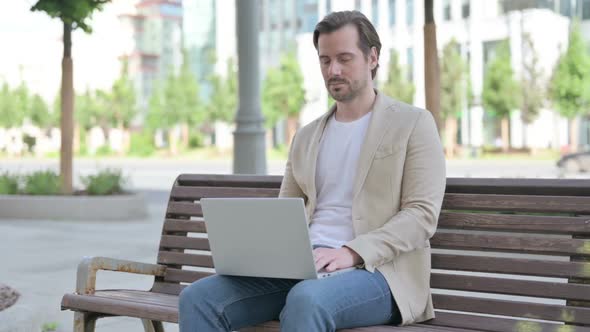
{"x":380,"y":123}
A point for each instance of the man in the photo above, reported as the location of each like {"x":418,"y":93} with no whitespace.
{"x":372,"y":174}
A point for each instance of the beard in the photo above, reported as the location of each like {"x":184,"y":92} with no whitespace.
{"x":345,"y":90}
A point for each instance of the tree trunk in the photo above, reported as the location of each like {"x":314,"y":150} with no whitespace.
{"x":505,"y":132}
{"x":431,"y":67}
{"x":173,"y":141}
{"x":451,"y":136}
{"x":574,"y":134}
{"x":185,"y":135}
{"x":67,"y":113}
{"x":292,"y":125}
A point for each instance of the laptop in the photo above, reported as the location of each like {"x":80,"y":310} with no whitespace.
{"x":261,"y":237}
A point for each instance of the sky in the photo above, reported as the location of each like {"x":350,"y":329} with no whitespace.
{"x":31,"y":48}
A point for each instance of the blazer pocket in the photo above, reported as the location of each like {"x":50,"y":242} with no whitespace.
{"x":384,"y":151}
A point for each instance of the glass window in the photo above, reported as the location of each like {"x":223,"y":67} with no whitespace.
{"x":586,"y":10}
{"x":328,"y":6}
{"x":465,"y":9}
{"x":410,"y":12}
{"x":357,"y":5}
{"x":447,"y":10}
{"x":565,"y":8}
{"x":410,"y":66}
{"x":375,"y":12}
{"x":392,"y":13}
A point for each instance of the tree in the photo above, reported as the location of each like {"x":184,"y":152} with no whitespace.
{"x":570,"y":85}
{"x":223,"y":101}
{"x":283,"y":95}
{"x":73,"y":14}
{"x":453,"y":81}
{"x":191,"y":112}
{"x":431,"y":66}
{"x":396,"y":85}
{"x":499,"y":86}
{"x":9,"y":116}
{"x":39,"y":112}
{"x":532,"y":85}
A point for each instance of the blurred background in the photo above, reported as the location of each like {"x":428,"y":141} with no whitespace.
{"x":158,"y":79}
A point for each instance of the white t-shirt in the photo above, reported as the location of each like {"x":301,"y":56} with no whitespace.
{"x":340,"y":147}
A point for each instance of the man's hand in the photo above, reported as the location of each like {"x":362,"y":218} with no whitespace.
{"x":335,"y":259}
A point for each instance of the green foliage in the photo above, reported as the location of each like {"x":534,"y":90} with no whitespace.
{"x":396,"y":85}
{"x":121,"y":100}
{"x":453,"y":81}
{"x":499,"y":86}
{"x":224,"y":96}
{"x":105,"y":182}
{"x":39,"y":112}
{"x":142,"y":144}
{"x":283,"y":94}
{"x":177,"y":101}
{"x":42,"y":183}
{"x":9,"y":184}
{"x":570,"y":85}
{"x":532,"y":85}
{"x":11,"y":114}
{"x":49,"y":327}
{"x":74,"y":12}
{"x":103,"y":151}
{"x":195,"y":140}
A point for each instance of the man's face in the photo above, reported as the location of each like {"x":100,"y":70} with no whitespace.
{"x":346,"y":70}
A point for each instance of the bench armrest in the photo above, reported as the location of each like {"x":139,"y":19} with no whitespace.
{"x":86,"y":276}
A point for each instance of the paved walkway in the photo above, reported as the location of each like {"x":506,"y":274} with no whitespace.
{"x":39,"y":258}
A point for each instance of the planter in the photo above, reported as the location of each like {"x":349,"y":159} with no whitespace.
{"x":97,"y":208}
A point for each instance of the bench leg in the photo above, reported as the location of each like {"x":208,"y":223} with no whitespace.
{"x":84,"y":322}
{"x":152,"y":325}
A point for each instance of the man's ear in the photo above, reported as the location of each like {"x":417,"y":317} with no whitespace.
{"x":373,"y":57}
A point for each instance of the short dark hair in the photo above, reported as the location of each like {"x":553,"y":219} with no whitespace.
{"x":368,"y":36}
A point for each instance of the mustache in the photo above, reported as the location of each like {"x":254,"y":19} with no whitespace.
{"x":337,"y":80}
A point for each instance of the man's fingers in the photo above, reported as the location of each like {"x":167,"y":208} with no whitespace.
{"x":332,"y":266}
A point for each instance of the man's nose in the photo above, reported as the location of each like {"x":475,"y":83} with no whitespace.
{"x":335,"y":69}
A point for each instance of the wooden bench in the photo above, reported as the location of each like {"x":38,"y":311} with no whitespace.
{"x":509,"y":255}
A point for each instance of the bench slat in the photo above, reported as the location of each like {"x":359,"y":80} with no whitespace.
{"x":183,"y":242}
{"x":178,"y":258}
{"x":519,"y":244}
{"x":532,"y":267}
{"x":489,"y":202}
{"x":177,"y":275}
{"x":183,"y":225}
{"x":552,"y":290}
{"x":230,"y":180}
{"x":496,"y":324}
{"x":189,"y":209}
{"x":551,"y":312}
{"x":171,"y":288}
{"x":515,"y":223}
{"x":196,"y":193}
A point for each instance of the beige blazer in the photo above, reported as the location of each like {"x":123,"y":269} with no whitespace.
{"x":397,"y":195}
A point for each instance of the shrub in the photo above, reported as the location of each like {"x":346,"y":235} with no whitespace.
{"x":142,"y":144}
{"x":42,"y":183}
{"x":8,"y":184}
{"x":106,"y":182}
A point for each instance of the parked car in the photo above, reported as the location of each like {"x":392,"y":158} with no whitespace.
{"x":575,"y":162}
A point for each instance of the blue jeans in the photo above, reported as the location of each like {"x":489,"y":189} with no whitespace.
{"x":226,"y":303}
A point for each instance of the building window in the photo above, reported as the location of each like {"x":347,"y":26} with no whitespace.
{"x":586,"y":10}
{"x":375,"y":12}
{"x":357,"y":5}
{"x":447,"y":10}
{"x":565,"y":8}
{"x":392,"y":13}
{"x":410,"y":12}
{"x":465,"y":9}
{"x":410,"y":66}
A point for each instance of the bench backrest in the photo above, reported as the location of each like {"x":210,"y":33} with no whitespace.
{"x":506,"y":247}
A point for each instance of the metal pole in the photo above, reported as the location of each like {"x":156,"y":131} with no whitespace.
{"x":249,"y":137}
